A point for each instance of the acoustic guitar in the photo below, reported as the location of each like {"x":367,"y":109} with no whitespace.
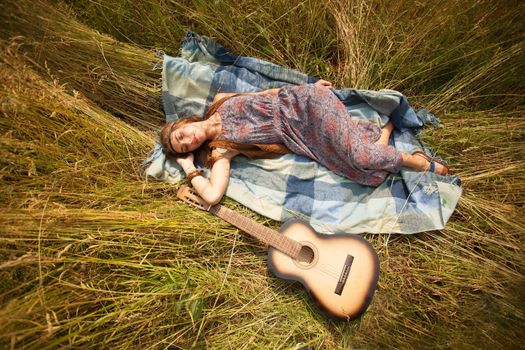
{"x":340,"y":271}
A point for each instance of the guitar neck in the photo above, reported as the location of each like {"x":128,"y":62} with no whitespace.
{"x":258,"y":231}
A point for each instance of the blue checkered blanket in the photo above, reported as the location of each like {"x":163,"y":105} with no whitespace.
{"x":295,"y":186}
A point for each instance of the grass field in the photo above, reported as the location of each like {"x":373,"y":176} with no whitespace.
{"x":93,"y":255}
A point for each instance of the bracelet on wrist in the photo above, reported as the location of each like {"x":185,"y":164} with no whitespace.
{"x":192,"y":175}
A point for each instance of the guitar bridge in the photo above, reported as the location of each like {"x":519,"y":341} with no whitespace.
{"x":344,"y":275}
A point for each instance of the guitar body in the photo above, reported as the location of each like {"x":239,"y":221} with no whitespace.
{"x":340,"y":271}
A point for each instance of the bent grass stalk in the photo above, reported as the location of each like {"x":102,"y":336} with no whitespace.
{"x":123,"y":263}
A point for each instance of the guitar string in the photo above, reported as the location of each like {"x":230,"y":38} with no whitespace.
{"x":329,"y":273}
{"x":328,"y":269}
{"x":324,"y":268}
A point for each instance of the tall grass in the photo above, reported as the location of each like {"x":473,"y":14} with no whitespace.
{"x":117,"y":77}
{"x":94,"y":256}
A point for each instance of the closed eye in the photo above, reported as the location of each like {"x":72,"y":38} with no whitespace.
{"x":177,"y":138}
{"x":183,"y":148}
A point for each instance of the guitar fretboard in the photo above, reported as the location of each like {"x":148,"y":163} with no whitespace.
{"x":260,"y":232}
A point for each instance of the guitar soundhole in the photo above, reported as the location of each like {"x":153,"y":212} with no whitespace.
{"x":306,"y":255}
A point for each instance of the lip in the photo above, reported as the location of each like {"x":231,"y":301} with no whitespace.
{"x":194,"y":139}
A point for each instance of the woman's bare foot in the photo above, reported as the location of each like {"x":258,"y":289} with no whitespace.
{"x":432,"y":165}
{"x":419,"y":161}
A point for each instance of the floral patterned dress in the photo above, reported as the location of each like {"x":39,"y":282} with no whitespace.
{"x":311,"y":121}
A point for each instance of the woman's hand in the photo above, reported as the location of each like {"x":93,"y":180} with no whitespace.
{"x":324,"y":83}
{"x":186,"y":163}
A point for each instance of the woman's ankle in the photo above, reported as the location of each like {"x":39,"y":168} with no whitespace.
{"x":415,"y":162}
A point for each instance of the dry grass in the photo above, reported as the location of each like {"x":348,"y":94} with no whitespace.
{"x":94,"y":256}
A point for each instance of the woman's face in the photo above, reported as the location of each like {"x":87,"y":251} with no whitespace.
{"x":187,"y":138}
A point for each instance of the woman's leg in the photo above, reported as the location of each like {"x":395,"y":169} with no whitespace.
{"x":386,"y":131}
{"x":419,"y":163}
{"x":414,"y":161}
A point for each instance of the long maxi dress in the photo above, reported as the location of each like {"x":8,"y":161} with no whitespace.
{"x":311,"y":121}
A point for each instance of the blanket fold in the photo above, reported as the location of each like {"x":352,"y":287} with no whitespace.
{"x":295,"y":186}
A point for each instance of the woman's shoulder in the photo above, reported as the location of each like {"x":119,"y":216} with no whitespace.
{"x":220,"y":95}
{"x":219,"y":152}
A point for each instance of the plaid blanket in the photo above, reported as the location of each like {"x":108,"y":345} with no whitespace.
{"x":295,"y":186}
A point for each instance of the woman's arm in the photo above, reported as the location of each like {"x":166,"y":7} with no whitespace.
{"x":213,"y":189}
{"x":269,"y":91}
{"x":323,"y":82}
{"x":221,"y":95}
